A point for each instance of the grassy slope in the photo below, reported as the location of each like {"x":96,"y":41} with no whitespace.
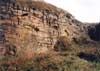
{"x":27,"y":60}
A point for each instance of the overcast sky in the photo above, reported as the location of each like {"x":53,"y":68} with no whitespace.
{"x":83,"y":10}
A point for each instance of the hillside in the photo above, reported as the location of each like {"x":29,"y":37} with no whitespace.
{"x":37,"y":36}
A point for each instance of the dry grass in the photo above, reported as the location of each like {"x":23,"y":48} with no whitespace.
{"x":24,"y":55}
{"x":63,"y":44}
{"x":40,"y":5}
{"x":28,"y":59}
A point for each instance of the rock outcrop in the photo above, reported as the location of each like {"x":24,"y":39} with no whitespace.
{"x":26,"y":23}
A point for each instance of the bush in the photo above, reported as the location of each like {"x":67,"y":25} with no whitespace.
{"x":62,"y":44}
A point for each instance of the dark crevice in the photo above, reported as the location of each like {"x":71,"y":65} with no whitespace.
{"x":36,"y":29}
{"x":2,"y":36}
{"x":26,"y":14}
{"x":55,"y":27}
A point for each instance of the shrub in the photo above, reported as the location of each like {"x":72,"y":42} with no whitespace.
{"x":88,"y":57}
{"x":62,"y":44}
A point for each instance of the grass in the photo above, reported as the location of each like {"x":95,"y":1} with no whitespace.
{"x":26,"y":59}
{"x":39,"y":5}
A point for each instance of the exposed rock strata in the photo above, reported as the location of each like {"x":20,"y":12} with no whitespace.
{"x":35,"y":24}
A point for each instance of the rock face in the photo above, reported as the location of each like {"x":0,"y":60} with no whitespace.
{"x":26,"y":23}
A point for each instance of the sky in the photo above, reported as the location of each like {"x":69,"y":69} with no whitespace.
{"x":83,"y":10}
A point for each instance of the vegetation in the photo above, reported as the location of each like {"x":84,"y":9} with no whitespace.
{"x":26,"y":59}
{"x":62,"y":44}
{"x":22,"y":53}
{"x":37,"y":5}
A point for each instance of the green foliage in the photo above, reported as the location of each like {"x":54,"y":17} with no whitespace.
{"x":97,"y":65}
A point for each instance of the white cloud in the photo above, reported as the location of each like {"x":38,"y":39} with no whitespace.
{"x":83,"y":10}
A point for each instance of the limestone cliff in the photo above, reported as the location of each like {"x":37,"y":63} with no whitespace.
{"x":34,"y":23}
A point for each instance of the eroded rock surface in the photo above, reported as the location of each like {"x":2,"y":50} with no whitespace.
{"x":25,"y":23}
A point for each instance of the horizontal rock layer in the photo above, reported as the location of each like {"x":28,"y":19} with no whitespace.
{"x":26,"y":23}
